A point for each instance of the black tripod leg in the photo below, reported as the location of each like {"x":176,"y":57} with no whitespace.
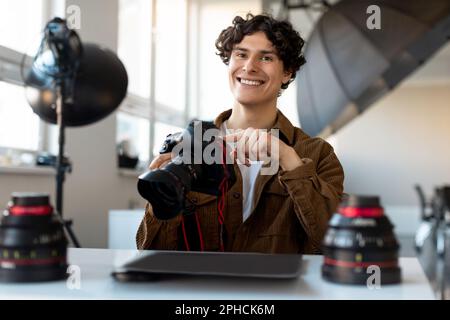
{"x":73,"y":238}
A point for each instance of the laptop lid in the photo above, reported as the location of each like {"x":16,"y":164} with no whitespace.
{"x":231,"y":264}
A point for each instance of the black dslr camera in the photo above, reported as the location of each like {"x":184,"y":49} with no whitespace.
{"x":200,"y":164}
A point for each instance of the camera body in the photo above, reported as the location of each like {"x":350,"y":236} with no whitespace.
{"x":200,"y":163}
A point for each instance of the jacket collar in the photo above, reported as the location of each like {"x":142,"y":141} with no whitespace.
{"x":282,"y":123}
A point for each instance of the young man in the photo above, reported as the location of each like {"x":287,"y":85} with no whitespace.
{"x":284,"y":212}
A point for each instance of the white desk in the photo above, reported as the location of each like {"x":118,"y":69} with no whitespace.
{"x":96,"y":283}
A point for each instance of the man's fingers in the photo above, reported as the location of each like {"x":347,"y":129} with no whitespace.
{"x":263,"y":146}
{"x":233,"y":137}
{"x":240,"y":150}
{"x":253,"y":145}
{"x":243,"y":146}
{"x":159,"y":160}
{"x":164,"y":164}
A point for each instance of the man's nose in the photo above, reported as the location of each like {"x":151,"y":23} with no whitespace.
{"x":250,"y":65}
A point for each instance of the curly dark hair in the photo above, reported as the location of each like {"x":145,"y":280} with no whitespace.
{"x":285,"y":39}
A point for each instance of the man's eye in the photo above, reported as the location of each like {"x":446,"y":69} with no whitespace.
{"x":266,"y":58}
{"x":240,"y":55}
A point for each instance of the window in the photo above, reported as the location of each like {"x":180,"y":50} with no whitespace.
{"x":134,"y":130}
{"x":19,"y":126}
{"x":155,"y":108}
{"x":21,"y":25}
{"x":170,"y":45}
{"x":21,"y":22}
{"x":135,"y":27}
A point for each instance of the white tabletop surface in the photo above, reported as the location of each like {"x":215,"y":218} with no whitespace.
{"x":95,"y":266}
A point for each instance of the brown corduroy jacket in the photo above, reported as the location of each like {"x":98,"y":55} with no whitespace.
{"x":291,"y":208}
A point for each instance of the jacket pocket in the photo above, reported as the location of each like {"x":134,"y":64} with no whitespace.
{"x":199,"y":199}
{"x":277,"y":243}
{"x":275,"y":188}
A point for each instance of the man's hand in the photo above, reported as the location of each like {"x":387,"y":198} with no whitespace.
{"x":259,"y":145}
{"x":160,"y":161}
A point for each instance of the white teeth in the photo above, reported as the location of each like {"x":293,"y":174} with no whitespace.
{"x":251,"y":82}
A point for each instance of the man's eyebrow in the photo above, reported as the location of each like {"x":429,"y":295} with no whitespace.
{"x":239,"y":49}
{"x":260,"y":51}
{"x":267,"y":52}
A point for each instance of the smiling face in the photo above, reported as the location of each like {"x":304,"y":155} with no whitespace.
{"x":255,"y":72}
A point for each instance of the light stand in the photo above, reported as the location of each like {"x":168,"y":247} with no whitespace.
{"x":72,"y":84}
{"x":61,"y":168}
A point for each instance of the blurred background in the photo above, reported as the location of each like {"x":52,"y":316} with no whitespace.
{"x":167,"y":47}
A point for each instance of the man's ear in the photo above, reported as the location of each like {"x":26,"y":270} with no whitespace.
{"x":286,"y":76}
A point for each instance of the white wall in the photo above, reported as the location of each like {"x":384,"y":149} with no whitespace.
{"x":402,"y":140}
{"x":95,"y":185}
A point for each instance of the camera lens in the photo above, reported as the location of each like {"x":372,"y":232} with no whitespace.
{"x":359,"y":242}
{"x":33,"y":246}
{"x":164,"y":190}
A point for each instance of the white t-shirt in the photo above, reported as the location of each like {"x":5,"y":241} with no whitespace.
{"x":249,"y":175}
